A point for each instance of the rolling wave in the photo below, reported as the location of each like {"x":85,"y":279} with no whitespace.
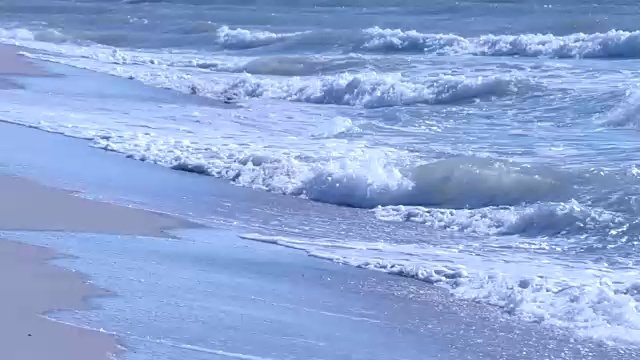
{"x":610,"y":44}
{"x":613,"y":44}
{"x":246,"y":39}
{"x":374,"y":90}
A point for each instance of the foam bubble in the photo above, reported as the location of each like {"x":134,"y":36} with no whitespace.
{"x":367,"y":89}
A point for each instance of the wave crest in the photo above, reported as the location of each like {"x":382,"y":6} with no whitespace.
{"x":247,"y":39}
{"x":373,"y":90}
{"x":540,"y":219}
{"x":612,"y":44}
{"x":456,"y":183}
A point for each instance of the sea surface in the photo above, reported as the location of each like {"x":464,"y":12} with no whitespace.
{"x":489,"y":148}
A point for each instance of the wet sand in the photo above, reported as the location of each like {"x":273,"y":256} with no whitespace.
{"x":12,"y":63}
{"x":27,"y":205}
{"x":253,"y":298}
{"x":30,"y":286}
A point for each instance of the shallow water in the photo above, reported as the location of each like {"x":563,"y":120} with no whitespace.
{"x":502,"y":132}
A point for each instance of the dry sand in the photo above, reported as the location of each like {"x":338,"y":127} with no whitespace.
{"x":29,"y":286}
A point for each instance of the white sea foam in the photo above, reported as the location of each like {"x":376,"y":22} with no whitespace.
{"x":245,"y":39}
{"x":19,"y":34}
{"x":215,"y":142}
{"x":542,"y":219}
{"x":589,"y":298}
{"x":378,"y":39}
{"x":626,"y":114}
{"x":612,"y":44}
{"x":463,"y":196}
{"x":367,"y":89}
{"x":333,"y":171}
{"x":373,"y":90}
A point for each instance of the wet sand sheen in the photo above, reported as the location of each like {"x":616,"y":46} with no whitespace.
{"x":12,"y":63}
{"x":26,"y":205}
{"x":31,"y":287}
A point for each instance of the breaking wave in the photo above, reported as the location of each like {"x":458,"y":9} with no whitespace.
{"x":374,"y":90}
{"x":246,"y":39}
{"x":612,"y":44}
{"x":359,"y":178}
{"x":540,"y":219}
{"x":457,"y":183}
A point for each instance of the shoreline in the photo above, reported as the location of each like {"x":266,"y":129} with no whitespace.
{"x":156,"y":177}
{"x":14,"y":64}
{"x":28,"y":206}
{"x":32,"y":288}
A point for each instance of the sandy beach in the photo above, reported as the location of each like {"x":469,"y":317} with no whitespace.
{"x":12,"y":63}
{"x":253,"y":298}
{"x":26,"y":205}
{"x":30,"y":285}
{"x":218,"y":292}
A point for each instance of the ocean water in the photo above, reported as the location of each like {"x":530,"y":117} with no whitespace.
{"x":502,"y":134}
